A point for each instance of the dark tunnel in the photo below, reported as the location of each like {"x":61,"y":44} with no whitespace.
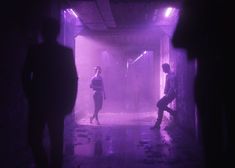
{"x":128,"y":111}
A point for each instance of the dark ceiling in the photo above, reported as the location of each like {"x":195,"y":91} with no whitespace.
{"x":132,"y":22}
{"x":118,"y":14}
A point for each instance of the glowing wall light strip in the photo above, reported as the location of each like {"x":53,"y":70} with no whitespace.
{"x":71,"y":11}
{"x":168,"y":12}
{"x":139,"y":57}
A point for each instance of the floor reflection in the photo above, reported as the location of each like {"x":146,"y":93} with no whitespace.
{"x":126,"y":141}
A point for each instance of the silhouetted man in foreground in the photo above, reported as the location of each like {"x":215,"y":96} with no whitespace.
{"x":170,"y":95}
{"x":202,"y":30}
{"x":50,"y":84}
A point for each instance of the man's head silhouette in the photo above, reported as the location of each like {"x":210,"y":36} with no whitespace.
{"x":166,"y":68}
{"x":50,"y":29}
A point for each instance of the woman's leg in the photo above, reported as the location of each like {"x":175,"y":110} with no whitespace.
{"x":98,"y":101}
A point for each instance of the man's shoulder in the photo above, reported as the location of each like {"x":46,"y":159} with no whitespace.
{"x":45,"y":48}
{"x":65,"y":48}
{"x":35,"y":47}
{"x":172,"y":74}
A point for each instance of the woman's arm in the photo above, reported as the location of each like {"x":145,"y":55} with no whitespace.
{"x":103,"y":89}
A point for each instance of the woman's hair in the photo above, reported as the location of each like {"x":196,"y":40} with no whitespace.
{"x":98,"y":68}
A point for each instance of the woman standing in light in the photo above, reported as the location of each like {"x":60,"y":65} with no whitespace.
{"x":99,"y":93}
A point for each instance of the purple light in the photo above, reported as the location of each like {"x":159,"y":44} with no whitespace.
{"x":71,"y":11}
{"x":145,"y":52}
{"x":168,"y":12}
{"x":74,"y":13}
